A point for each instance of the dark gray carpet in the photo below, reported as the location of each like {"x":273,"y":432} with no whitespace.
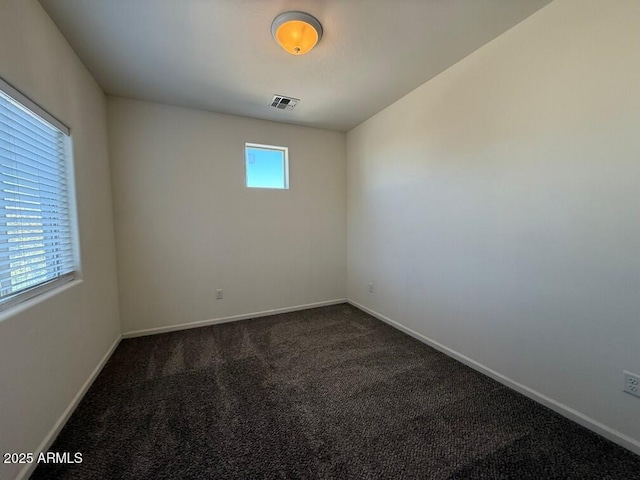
{"x":323,"y":393}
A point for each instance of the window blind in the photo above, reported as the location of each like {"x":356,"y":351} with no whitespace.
{"x":36,"y":247}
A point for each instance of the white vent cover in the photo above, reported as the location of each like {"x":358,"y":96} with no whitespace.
{"x":284,"y":103}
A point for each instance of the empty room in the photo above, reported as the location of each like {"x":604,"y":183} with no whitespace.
{"x":319,"y":239}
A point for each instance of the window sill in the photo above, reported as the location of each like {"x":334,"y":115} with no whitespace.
{"x":18,"y":308}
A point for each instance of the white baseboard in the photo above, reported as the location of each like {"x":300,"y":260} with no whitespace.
{"x":564,"y":410}
{"x":53,"y":433}
{"x":233,"y":318}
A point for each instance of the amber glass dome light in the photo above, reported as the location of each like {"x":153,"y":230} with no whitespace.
{"x":296,"y":32}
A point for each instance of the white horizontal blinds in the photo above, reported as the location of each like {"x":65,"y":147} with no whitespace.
{"x":35,"y":226}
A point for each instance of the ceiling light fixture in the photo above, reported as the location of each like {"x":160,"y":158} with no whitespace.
{"x":296,"y":32}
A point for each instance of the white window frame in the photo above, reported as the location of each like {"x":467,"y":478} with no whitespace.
{"x":285,"y":151}
{"x":47,"y":286}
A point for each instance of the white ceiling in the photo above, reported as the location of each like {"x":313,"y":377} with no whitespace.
{"x":219,"y":55}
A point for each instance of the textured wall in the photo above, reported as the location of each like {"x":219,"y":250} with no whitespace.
{"x":49,"y":348}
{"x":496,"y":207}
{"x":187,"y":225}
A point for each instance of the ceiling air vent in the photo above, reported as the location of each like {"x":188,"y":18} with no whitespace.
{"x":284,"y":103}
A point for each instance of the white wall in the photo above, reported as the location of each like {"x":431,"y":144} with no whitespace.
{"x":48,"y":351}
{"x":497,"y":207}
{"x":186,"y":224}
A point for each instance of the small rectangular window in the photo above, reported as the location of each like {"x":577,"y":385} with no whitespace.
{"x":266,"y":166}
{"x":36,"y":240}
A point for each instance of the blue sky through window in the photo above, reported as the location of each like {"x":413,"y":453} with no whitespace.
{"x":265,"y":168}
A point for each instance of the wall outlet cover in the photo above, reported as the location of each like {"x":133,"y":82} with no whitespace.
{"x":632,"y":383}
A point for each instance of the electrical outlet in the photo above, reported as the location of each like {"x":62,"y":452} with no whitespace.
{"x":219,"y":294}
{"x":370,"y":287}
{"x":632,"y":383}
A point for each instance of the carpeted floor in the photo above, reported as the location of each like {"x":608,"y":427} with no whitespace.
{"x":323,"y":393}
